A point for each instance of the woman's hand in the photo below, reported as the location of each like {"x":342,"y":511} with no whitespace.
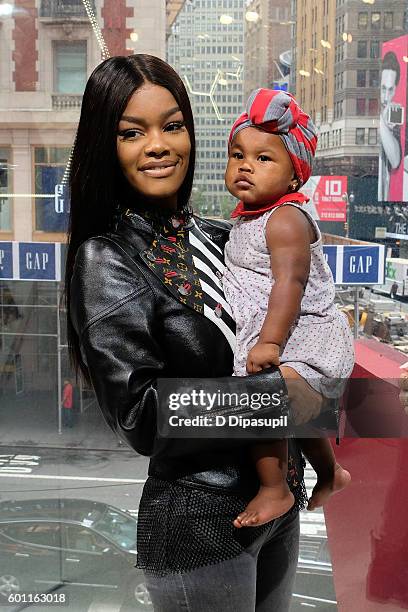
{"x":262,"y":355}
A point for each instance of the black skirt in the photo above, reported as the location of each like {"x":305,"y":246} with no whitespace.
{"x":182,"y":527}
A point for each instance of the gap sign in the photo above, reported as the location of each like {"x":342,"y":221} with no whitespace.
{"x":41,"y":261}
{"x":355,"y":264}
{"x":33,"y":261}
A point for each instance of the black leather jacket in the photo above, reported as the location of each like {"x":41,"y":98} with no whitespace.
{"x":134,"y":329}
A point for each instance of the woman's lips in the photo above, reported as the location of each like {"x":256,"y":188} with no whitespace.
{"x":160,"y":171}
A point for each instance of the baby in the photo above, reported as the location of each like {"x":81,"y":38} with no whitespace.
{"x":281,"y":290}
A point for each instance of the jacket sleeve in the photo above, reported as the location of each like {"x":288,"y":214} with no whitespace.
{"x":113,"y":312}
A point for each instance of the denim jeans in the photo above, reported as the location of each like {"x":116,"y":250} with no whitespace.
{"x":259,"y":579}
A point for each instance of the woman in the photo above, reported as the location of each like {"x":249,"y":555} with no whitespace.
{"x":144,"y":301}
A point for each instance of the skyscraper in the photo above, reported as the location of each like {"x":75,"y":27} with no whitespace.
{"x":336,"y":77}
{"x":206,"y":47}
{"x":267,"y":44}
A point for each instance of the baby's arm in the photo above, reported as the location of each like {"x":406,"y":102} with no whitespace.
{"x":288,"y":236}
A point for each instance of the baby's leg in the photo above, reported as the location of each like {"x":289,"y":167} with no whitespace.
{"x":331,"y":477}
{"x":306,"y":404}
{"x":274,"y":497}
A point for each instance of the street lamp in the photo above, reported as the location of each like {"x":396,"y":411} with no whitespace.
{"x":348,"y":198}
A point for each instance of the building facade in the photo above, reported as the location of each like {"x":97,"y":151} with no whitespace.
{"x":47,"y":49}
{"x":337,"y":54}
{"x":206,"y":47}
{"x":267,"y":37}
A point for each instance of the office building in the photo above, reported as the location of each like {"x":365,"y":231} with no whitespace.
{"x":206,"y":47}
{"x":336,"y":55}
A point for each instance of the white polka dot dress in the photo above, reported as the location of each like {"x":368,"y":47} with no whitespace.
{"x":320,"y":345}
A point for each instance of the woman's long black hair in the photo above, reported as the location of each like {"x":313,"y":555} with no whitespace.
{"x":97,"y":185}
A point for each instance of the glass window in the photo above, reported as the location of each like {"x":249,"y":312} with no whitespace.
{"x":45,"y":534}
{"x":374,"y":80}
{"x":363,"y":20}
{"x":372,"y":136}
{"x":375,"y":49}
{"x":51,"y":213}
{"x":375,"y":21}
{"x":360,"y":136}
{"x":373,"y":107}
{"x":70,"y":67}
{"x":361,"y":106}
{"x":84,"y":539}
{"x":362,"y":48}
{"x":5,"y":187}
{"x":361,"y":78}
{"x":388,"y":21}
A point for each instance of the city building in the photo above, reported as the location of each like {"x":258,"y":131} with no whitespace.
{"x":336,"y":53}
{"x":206,"y":47}
{"x":47,"y":50}
{"x":267,"y":45}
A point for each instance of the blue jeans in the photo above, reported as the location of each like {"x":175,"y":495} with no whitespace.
{"x":67,"y":417}
{"x":260,"y":579}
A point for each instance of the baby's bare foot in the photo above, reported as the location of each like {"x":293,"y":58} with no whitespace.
{"x":268,"y":504}
{"x":325,"y":487}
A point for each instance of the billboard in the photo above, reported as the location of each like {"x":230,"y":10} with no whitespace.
{"x":328,"y":195}
{"x":392,"y":179}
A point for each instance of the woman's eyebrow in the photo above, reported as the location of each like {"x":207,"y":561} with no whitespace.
{"x":139,"y":120}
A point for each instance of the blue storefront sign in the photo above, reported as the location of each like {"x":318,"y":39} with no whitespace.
{"x":330,"y":253}
{"x":37,"y":261}
{"x":355,"y":264}
{"x":43,"y":261}
{"x":52,"y":213}
{"x":6,"y":260}
{"x":34,"y":261}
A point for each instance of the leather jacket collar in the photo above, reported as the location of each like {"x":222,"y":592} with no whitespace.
{"x":188,"y":262}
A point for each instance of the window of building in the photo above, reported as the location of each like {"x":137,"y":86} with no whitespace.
{"x":375,"y":49}
{"x":362,"y":48}
{"x":388,"y":21}
{"x":372,"y":136}
{"x":373,"y":106}
{"x":361,"y":78}
{"x":70,"y":67}
{"x":363,"y":20}
{"x":338,"y":109}
{"x":360,"y":136}
{"x":374,"y":79}
{"x":375,"y":21}
{"x":51,"y":213}
{"x":5,"y":187}
{"x":361,"y":106}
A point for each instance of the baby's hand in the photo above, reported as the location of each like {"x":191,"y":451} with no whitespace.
{"x":261,"y":356}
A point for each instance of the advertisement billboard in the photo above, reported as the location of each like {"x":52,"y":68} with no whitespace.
{"x":392,"y":180}
{"x":328,"y":195}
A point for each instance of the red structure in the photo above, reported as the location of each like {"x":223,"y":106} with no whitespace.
{"x":25,"y":52}
{"x":367,"y":524}
{"x":115,"y":32}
